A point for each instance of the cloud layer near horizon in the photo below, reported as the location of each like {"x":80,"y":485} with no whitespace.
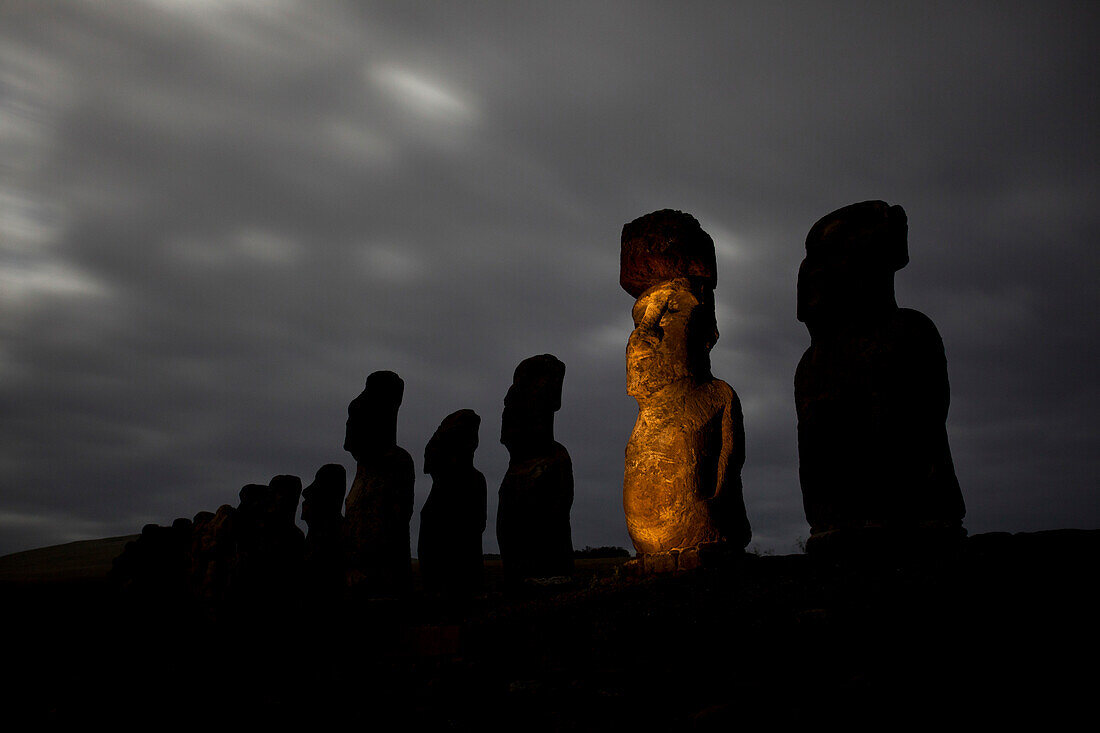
{"x":216,"y":218}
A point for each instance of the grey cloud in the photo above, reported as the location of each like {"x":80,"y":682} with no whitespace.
{"x":259,"y":219}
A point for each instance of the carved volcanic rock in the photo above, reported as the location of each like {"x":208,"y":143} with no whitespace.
{"x":537,"y":492}
{"x":682,"y":483}
{"x":453,"y":518}
{"x":380,"y":503}
{"x":871,"y":392}
{"x":662,"y":246}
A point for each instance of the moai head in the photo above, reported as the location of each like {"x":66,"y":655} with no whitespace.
{"x":257,"y":507}
{"x":453,"y":444}
{"x":323,"y":499}
{"x":372,"y":416}
{"x":285,"y":492}
{"x":667,"y":262}
{"x":532,"y":400}
{"x":851,"y":257}
{"x":674,"y":331}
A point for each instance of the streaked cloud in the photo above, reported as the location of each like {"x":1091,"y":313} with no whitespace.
{"x":422,"y":95}
{"x":216,"y":218}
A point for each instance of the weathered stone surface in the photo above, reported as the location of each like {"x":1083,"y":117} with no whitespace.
{"x":682,"y":483}
{"x":871,"y":391}
{"x":453,"y":518}
{"x":537,"y":492}
{"x":322,"y":502}
{"x":662,"y":246}
{"x":380,"y":502}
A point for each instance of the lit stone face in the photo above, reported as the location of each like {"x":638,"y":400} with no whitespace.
{"x":682,"y":482}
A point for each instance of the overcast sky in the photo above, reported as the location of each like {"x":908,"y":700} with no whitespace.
{"x":216,"y":218}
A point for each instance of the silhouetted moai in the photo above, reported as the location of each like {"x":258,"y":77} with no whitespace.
{"x":213,"y":554}
{"x":270,"y":546}
{"x":871,"y":392}
{"x":322,"y":502}
{"x":155,"y":565}
{"x":453,"y":517}
{"x":537,"y":492}
{"x":682,"y":484}
{"x":380,"y":503}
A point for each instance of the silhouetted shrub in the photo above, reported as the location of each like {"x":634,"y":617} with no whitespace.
{"x":604,"y":551}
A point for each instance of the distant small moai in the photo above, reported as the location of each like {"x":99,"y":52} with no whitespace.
{"x":322,"y":502}
{"x":213,"y":556}
{"x":453,"y":518}
{"x":537,"y":491}
{"x":682,"y":484}
{"x":380,"y":503}
{"x":871,"y":393}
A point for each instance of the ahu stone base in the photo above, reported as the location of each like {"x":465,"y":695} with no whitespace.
{"x":710,"y":554}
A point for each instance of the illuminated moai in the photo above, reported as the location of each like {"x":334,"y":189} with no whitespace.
{"x":537,"y":492}
{"x":380,"y":502}
{"x":682,"y":484}
{"x":871,"y":393}
{"x":453,"y":518}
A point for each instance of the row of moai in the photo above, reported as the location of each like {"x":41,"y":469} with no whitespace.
{"x":871,"y":395}
{"x":255,"y":553}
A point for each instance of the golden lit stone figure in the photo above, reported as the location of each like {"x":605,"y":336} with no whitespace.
{"x":682,"y":483}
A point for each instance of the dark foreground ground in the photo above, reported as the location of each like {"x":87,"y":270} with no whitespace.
{"x":1004,"y":631}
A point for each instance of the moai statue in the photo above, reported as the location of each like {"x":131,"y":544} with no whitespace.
{"x":871,"y":393}
{"x":453,"y":518}
{"x":322,"y":502}
{"x":270,"y":545}
{"x":682,"y":485}
{"x":155,"y":566}
{"x":380,"y":503}
{"x":213,"y":554}
{"x":537,"y":492}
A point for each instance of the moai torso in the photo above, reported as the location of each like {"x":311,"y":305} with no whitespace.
{"x":680,"y":467}
{"x":533,"y":528}
{"x":324,"y":555}
{"x":871,"y":391}
{"x":682,"y":480}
